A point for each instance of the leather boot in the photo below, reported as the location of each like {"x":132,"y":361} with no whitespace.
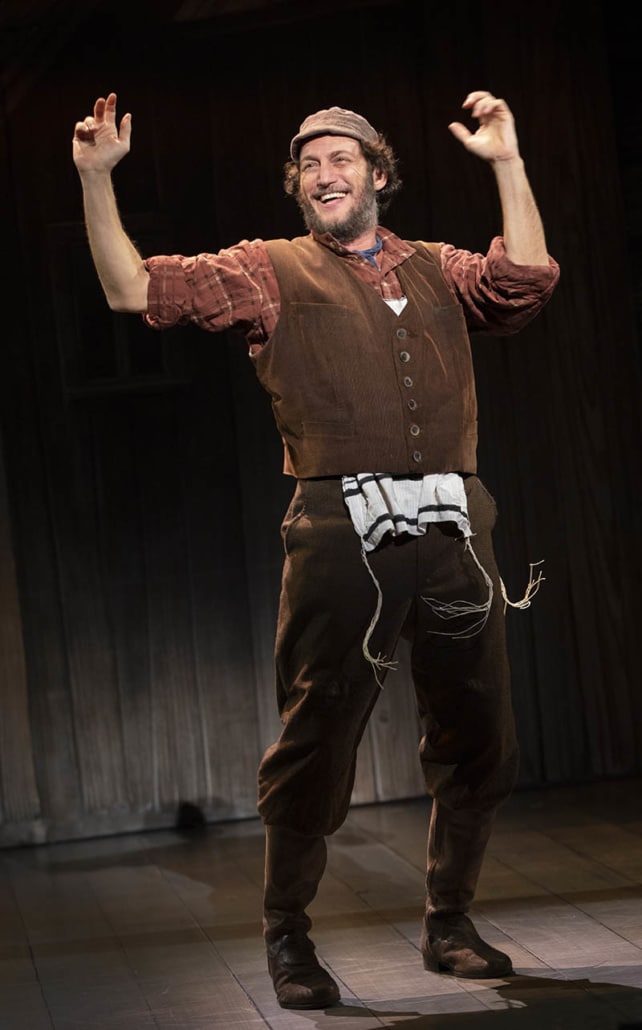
{"x":449,"y":942}
{"x":294,"y":865}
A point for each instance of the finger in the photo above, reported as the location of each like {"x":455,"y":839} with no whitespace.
{"x":105,"y":110}
{"x":488,"y":103}
{"x":99,"y":109}
{"x":125,"y":129}
{"x":476,"y":95}
{"x":460,"y":131}
{"x":85,"y":129}
{"x":110,"y":108}
{"x":487,"y":108}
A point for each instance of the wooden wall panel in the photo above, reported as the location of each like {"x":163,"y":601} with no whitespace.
{"x":113,"y":428}
{"x":89,"y":648}
{"x":20,"y":801}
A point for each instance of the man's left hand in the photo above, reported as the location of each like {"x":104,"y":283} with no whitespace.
{"x":495,"y":138}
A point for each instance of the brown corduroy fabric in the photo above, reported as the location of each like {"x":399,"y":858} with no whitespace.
{"x":327,"y":688}
{"x":341,"y":368}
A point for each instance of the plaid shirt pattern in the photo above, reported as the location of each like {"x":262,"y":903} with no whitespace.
{"x":237,"y":288}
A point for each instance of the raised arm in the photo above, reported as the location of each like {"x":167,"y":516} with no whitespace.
{"x":98,"y":146}
{"x":495,"y":141}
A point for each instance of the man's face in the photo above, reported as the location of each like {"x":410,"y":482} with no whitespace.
{"x":338,"y":192}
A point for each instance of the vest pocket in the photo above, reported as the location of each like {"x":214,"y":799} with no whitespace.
{"x":327,"y":428}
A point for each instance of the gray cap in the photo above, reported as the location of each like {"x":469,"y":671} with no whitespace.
{"x":335,"y":121}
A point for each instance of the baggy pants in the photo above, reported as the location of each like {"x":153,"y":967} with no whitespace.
{"x":326,"y":688}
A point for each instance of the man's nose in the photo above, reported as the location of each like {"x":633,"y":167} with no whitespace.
{"x":325,"y":174}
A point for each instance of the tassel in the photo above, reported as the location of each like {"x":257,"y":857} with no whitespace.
{"x":380,"y":661}
{"x":455,"y":609}
{"x":531,"y":588}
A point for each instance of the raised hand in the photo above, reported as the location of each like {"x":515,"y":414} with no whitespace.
{"x":496,"y":138}
{"x":98,"y":144}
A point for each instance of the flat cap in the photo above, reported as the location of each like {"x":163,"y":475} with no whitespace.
{"x":334,"y":121}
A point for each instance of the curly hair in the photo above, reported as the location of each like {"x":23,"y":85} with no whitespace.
{"x":381,"y":158}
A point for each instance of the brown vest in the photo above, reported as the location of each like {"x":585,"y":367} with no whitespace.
{"x":356,"y":388}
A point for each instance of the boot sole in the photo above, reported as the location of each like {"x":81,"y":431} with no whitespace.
{"x":432,"y":965}
{"x":312,"y":1004}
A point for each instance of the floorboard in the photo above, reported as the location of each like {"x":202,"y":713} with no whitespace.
{"x":163,"y":930}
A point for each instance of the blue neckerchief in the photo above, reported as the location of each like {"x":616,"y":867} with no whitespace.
{"x":369,"y":254}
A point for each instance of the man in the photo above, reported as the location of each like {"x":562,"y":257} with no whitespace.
{"x":361,"y":340}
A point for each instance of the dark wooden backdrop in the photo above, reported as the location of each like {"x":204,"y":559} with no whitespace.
{"x":140,"y":474}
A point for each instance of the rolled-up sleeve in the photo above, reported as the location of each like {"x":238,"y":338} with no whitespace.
{"x":234,"y":288}
{"x":497,"y":296}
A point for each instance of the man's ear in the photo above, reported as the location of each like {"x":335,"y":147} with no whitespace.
{"x":379,"y":178}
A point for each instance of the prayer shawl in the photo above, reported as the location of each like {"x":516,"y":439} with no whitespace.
{"x":379,"y":504}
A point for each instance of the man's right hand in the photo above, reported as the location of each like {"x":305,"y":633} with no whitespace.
{"x":98,"y":147}
{"x":98,"y":143}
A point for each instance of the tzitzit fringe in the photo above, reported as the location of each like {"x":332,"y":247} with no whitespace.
{"x":449,"y":610}
{"x":455,"y":609}
{"x":531,"y":588}
{"x":380,"y":661}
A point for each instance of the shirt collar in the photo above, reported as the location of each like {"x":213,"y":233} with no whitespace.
{"x":394,"y":249}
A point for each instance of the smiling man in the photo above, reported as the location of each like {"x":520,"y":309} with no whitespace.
{"x":362,"y":341}
{"x":335,"y":184}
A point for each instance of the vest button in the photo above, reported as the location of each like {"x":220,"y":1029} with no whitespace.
{"x":415,"y":430}
{"x":402,"y":333}
{"x":416,"y":456}
{"x":412,"y":404}
{"x":404,"y":355}
{"x":407,"y":381}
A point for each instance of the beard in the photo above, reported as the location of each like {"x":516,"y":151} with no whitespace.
{"x":363,"y":217}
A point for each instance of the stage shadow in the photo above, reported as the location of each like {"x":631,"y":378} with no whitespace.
{"x":521,"y":1003}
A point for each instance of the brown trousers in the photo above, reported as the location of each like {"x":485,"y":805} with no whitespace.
{"x":326,"y":689}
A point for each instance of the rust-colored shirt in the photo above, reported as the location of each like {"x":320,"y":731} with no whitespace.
{"x":237,"y":287}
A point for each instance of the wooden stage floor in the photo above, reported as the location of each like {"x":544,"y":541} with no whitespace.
{"x":162,"y":930}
